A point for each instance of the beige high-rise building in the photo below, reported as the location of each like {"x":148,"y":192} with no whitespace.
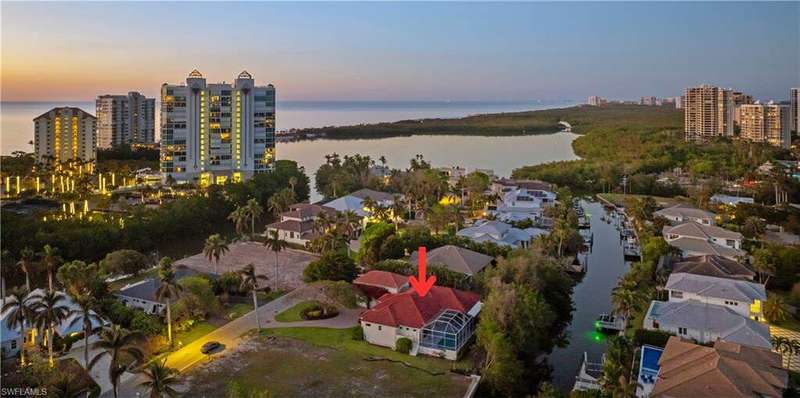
{"x":765,"y":123}
{"x":739,"y":99}
{"x":708,"y":112}
{"x":794,"y":109}
{"x":125,"y":119}
{"x":63,"y":134}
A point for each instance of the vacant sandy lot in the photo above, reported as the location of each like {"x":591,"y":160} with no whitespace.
{"x":291,"y":263}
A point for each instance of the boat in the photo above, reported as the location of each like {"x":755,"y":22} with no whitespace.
{"x":609,"y":323}
{"x":588,"y":377}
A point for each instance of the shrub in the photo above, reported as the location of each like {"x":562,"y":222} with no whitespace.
{"x":332,"y":266}
{"x":117,"y":312}
{"x":401,"y":267}
{"x":318,"y":311}
{"x":342,"y":293}
{"x":655,"y":338}
{"x":147,"y":324}
{"x":356,"y":333}
{"x":403,"y":345}
{"x":124,"y":262}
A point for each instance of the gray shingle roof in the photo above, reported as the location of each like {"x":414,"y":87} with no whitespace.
{"x":456,"y":259}
{"x":713,"y":319}
{"x":703,"y":246}
{"x":713,"y":265}
{"x":684,"y":211}
{"x":721,"y":288}
{"x":146,"y":289}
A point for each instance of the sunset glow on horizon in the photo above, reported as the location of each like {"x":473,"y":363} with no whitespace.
{"x":397,"y":51}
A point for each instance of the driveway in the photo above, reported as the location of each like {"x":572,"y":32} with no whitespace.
{"x":291,"y":263}
{"x":230,"y":335}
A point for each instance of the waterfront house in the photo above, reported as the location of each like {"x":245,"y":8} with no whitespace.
{"x":501,"y":186}
{"x":681,"y":213}
{"x":730,"y":200}
{"x":355,"y":201}
{"x":13,"y":340}
{"x":439,"y":324}
{"x":456,"y":259}
{"x":743,"y":297}
{"x":497,"y":232}
{"x":694,"y":239}
{"x":713,"y":265}
{"x":375,"y":284}
{"x":297,"y":224}
{"x":519,"y":204}
{"x":142,"y":294}
{"x":706,"y":323}
{"x":725,"y":370}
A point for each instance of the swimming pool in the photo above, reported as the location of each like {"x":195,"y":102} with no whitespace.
{"x":648,"y":369}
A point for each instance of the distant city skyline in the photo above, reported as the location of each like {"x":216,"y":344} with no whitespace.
{"x":402,"y":51}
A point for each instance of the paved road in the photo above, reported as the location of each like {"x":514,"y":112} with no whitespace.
{"x":230,"y":336}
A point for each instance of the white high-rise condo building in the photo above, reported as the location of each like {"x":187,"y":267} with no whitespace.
{"x":213,"y":133}
{"x":125,"y":119}
{"x":794,"y":104}
{"x":765,"y":123}
{"x":64,"y":134}
{"x":708,"y":112}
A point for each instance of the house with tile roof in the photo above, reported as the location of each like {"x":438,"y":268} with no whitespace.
{"x":456,"y":259}
{"x":438,"y":324}
{"x":375,"y":284}
{"x":694,"y":239}
{"x":743,"y":297}
{"x":682,"y":213}
{"x":725,"y":370}
{"x":497,"y":232}
{"x":713,"y":265}
{"x":297,"y":224}
{"x":706,"y":323}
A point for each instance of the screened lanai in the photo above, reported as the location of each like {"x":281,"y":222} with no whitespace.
{"x":448,"y":332}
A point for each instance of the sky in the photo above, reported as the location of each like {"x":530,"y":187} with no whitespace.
{"x":401,"y":51}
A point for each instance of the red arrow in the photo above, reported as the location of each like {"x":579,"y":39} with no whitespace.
{"x":423,"y":284}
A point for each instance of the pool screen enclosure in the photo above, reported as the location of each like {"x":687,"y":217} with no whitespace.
{"x":449,"y":331}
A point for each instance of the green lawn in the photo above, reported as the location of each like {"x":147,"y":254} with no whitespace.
{"x":325,"y":362}
{"x":237,"y":310}
{"x":341,"y":339}
{"x":197,"y":331}
{"x":292,"y":314}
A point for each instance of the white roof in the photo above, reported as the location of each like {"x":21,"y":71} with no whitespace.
{"x":701,"y":231}
{"x":348,"y":202}
{"x":721,"y":288}
{"x":496,"y":232}
{"x":684,"y":211}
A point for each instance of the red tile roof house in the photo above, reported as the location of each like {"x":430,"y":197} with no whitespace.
{"x":439,"y":324}
{"x":375,"y":284}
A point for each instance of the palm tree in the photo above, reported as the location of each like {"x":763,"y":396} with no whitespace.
{"x":215,"y":248}
{"x":764,"y":264}
{"x":775,"y":309}
{"x":250,"y":282}
{"x":51,"y":261}
{"x":160,"y":379}
{"x":254,"y":212}
{"x":20,"y":314}
{"x":350,"y":221}
{"x":625,"y":300}
{"x":168,"y":290}
{"x":397,"y":208}
{"x":116,"y":343}
{"x":370,"y":205}
{"x":50,"y":311}
{"x":276,"y":244}
{"x":26,"y":257}
{"x":84,"y":313}
{"x":239,"y":218}
{"x":66,"y":387}
{"x":617,"y":379}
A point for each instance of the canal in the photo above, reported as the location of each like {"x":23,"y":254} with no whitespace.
{"x":591,"y":297}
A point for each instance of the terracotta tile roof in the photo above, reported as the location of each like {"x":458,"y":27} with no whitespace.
{"x":410,"y":310}
{"x":383,"y":279}
{"x":725,"y":370}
